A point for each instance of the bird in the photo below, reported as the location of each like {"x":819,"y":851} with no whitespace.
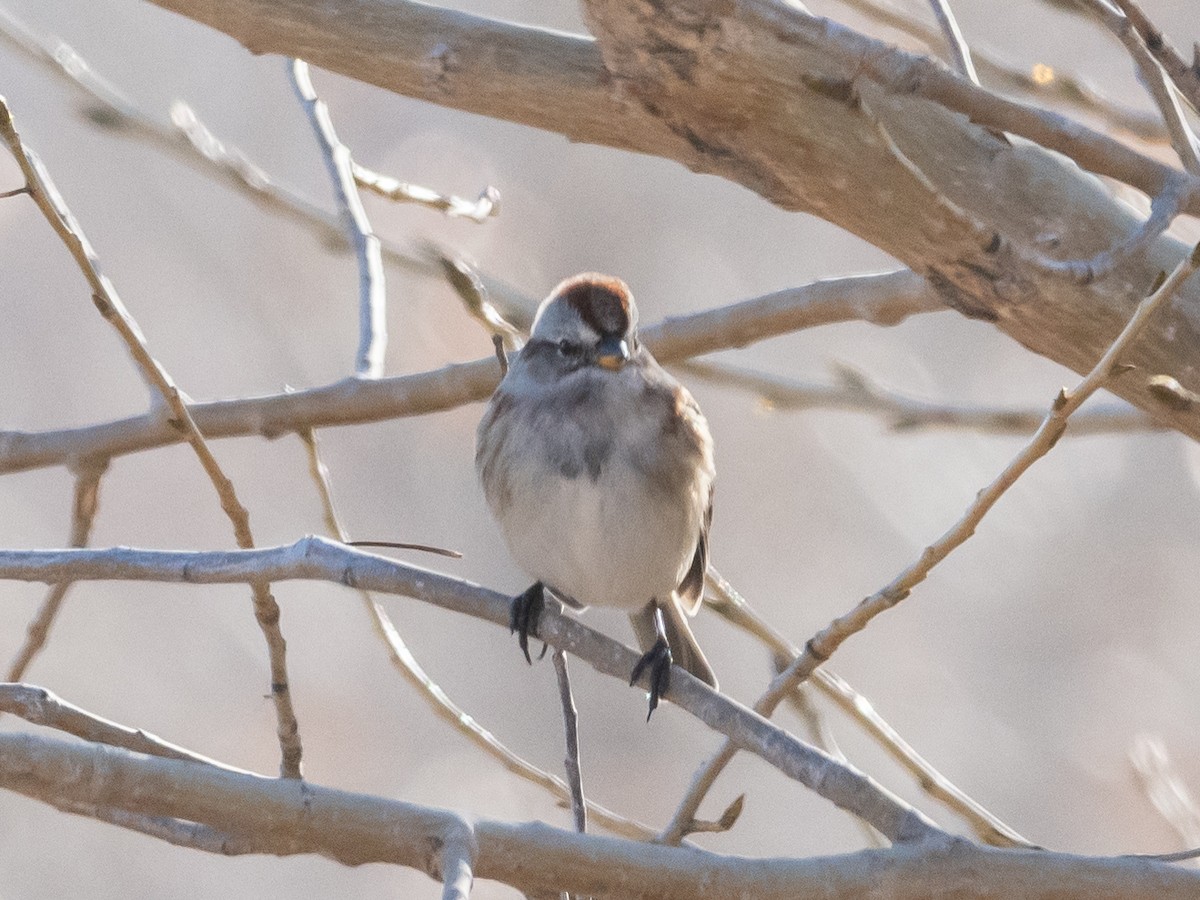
{"x":597,"y":465}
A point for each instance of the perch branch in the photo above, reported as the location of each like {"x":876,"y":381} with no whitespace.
{"x":321,"y":559}
{"x":433,"y":694}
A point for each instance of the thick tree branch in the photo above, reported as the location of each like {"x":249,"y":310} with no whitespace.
{"x":288,"y":817}
{"x":764,"y":94}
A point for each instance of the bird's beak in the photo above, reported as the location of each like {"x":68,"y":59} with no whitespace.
{"x":612,"y":353}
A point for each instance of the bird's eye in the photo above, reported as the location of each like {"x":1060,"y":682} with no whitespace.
{"x":569,"y":348}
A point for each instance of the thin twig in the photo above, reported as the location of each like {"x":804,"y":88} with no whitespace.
{"x":1185,"y":77}
{"x":441,"y":704}
{"x":104,"y":295}
{"x":42,"y":707}
{"x":176,"y":832}
{"x":822,"y":646}
{"x":820,"y":733}
{"x":186,"y":138}
{"x":1040,"y":80}
{"x":472,"y":291}
{"x":1155,"y":79}
{"x":853,"y":391}
{"x":479,"y":210}
{"x":83,"y":515}
{"x":571,"y":726}
{"x":954,"y":38}
{"x":730,"y":604}
{"x":372,"y":296}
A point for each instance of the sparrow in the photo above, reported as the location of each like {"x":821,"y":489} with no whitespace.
{"x":598,"y":467}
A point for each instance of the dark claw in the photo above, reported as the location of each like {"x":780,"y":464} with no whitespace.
{"x":523,"y":617}
{"x":658,"y":660}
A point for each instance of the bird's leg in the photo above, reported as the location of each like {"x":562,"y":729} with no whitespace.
{"x":523,"y":617}
{"x":658,"y":660}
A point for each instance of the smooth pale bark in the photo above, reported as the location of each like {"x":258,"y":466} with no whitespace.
{"x":265,"y":815}
{"x":814,"y":117}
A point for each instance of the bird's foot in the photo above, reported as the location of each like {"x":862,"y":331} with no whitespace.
{"x":523,"y":617}
{"x":658,"y":661}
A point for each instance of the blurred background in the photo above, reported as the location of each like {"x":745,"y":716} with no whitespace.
{"x":1025,"y":668}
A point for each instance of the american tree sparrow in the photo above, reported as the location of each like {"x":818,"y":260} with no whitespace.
{"x":598,"y":467}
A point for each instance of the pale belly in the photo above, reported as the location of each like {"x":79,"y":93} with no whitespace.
{"x":600,"y":543}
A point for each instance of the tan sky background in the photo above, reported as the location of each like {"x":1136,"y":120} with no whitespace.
{"x":1024,"y":668}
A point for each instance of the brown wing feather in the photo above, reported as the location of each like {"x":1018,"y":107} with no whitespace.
{"x":691,"y":589}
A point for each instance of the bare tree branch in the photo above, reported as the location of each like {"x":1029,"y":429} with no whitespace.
{"x":954,"y":39}
{"x":708,"y":89}
{"x":289,"y":816}
{"x":372,"y":295}
{"x":41,"y":707}
{"x":854,"y":391}
{"x":83,"y":515}
{"x":179,"y":419}
{"x":1040,"y":80}
{"x":988,"y":827}
{"x":824,"y":644}
{"x":882,"y":299}
{"x":318,"y":558}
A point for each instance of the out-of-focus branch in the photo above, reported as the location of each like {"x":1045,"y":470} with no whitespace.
{"x":290,"y":817}
{"x":1041,"y":81}
{"x":83,"y":514}
{"x":372,"y":294}
{"x":1155,"y":79}
{"x":184,"y":137}
{"x":1164,"y":788}
{"x":317,"y":558}
{"x":1185,"y":77}
{"x":881,"y":299}
{"x":172,"y":411}
{"x":853,"y":391}
{"x":954,"y":39}
{"x":731,"y":605}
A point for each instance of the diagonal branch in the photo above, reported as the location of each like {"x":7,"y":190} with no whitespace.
{"x":104,"y":295}
{"x":824,"y":644}
{"x":322,"y":559}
